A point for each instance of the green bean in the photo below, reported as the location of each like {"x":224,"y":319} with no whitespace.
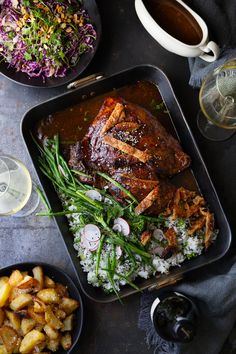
{"x":43,"y":198}
{"x":128,"y":281}
{"x":132,"y":261}
{"x":110,"y":277}
{"x":113,"y":263}
{"x":59,"y":213}
{"x":118,"y":185}
{"x":90,"y":201}
{"x":81,"y":174}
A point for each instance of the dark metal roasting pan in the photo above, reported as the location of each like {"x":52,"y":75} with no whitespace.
{"x":199,"y":170}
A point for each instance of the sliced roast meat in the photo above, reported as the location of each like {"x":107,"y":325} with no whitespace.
{"x":128,"y":143}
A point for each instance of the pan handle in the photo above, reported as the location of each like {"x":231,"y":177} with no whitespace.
{"x":85,"y":80}
{"x":161,"y":283}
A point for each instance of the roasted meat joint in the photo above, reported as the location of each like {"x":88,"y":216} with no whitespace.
{"x":129,"y":144}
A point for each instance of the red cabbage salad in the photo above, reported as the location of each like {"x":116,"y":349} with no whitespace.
{"x":44,"y":38}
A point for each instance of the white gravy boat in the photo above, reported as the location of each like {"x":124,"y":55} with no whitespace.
{"x":205,"y":49}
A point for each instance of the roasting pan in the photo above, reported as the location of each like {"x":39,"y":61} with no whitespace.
{"x":199,"y":170}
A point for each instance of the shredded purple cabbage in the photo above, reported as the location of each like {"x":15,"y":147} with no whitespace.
{"x":44,"y":38}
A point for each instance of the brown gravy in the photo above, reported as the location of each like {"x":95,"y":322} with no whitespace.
{"x":172,"y":17}
{"x":72,"y":123}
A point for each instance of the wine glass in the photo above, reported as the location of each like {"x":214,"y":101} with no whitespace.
{"x":18,"y":196}
{"x":217,"y":118}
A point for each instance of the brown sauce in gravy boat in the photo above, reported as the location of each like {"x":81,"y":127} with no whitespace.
{"x":177,"y":28}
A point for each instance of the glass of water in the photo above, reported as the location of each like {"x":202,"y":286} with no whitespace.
{"x":217,"y":98}
{"x":17,"y":194}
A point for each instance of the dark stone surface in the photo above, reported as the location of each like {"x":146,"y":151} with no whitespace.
{"x":109,"y":328}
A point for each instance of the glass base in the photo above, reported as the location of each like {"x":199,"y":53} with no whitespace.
{"x":211,"y":131}
{"x":31,"y":205}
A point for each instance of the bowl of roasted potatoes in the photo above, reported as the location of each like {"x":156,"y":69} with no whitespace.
{"x":41,"y":310}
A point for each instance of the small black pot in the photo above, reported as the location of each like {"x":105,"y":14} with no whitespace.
{"x":174,"y":317}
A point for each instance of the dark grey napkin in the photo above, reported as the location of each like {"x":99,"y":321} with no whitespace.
{"x":220,"y":17}
{"x":215,"y":295}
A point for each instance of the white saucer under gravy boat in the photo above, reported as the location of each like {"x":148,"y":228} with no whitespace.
{"x":177,"y":28}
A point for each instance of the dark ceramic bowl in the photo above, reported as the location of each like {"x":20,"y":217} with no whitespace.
{"x":73,"y":73}
{"x":61,"y":277}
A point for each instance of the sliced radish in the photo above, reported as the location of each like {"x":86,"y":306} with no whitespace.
{"x":158,"y":234}
{"x":92,"y":232}
{"x":125,"y":229}
{"x":107,"y":201}
{"x":93,"y":246}
{"x":94,"y":195}
{"x":118,"y":252}
{"x":117,"y":228}
{"x":158,"y":250}
{"x":89,"y":245}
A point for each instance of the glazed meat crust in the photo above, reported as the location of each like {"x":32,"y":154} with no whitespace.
{"x":128,"y":143}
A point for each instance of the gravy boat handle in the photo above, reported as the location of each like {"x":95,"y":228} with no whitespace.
{"x":210,"y":47}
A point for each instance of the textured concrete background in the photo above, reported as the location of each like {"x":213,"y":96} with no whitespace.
{"x":109,"y":328}
{"x":24,"y":239}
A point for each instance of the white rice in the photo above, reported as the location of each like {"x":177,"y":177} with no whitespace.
{"x":189,"y":247}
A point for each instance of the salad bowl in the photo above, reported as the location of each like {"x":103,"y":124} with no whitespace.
{"x":73,"y":72}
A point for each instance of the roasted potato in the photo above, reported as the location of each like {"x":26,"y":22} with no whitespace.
{"x":38,"y":275}
{"x":52,"y":320}
{"x":9,"y":338}
{"x":59,"y":313}
{"x":53,"y":344}
{"x":17,"y":346}
{"x":66,"y":341}
{"x":16,"y":292}
{"x":21,"y":301}
{"x":30,"y":340}
{"x":40,"y":347}
{"x":38,"y":317}
{"x":3,"y":280}
{"x":26,"y":283}
{"x":3,"y":349}
{"x":49,"y":296}
{"x":39,"y":327}
{"x":61,"y":290}
{"x":68,"y":323}
{"x":48,"y":282}
{"x":51,"y":332}
{"x":27,"y":324}
{"x":36,"y":314}
{"x":15,"y":278}
{"x":5,"y":289}
{"x":39,"y":305}
{"x":14,"y":319}
{"x":68,"y":305}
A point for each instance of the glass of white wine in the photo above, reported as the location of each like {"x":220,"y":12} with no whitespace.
{"x":17,"y":194}
{"x":217,"y":98}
